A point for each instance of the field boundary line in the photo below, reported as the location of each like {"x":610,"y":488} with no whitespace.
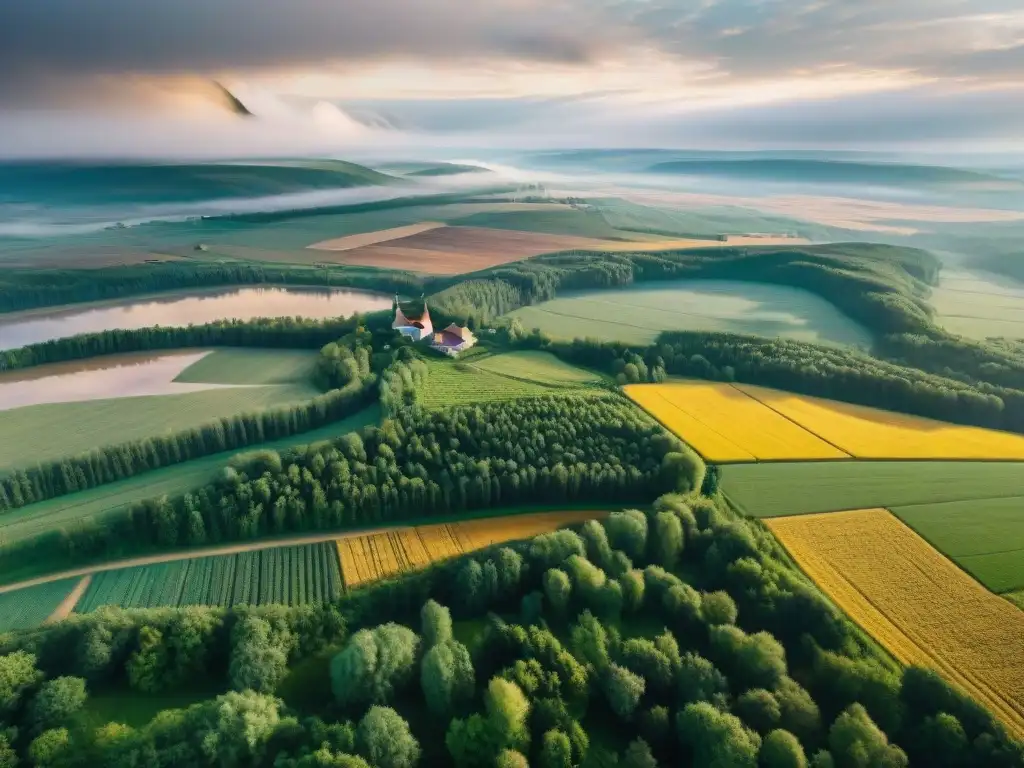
{"x":705,"y":425}
{"x":795,"y":423}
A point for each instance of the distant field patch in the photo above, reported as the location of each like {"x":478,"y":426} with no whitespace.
{"x":870,"y":433}
{"x":986,"y":537}
{"x":30,"y":607}
{"x":915,"y":602}
{"x":725,"y":425}
{"x":456,"y":250}
{"x":251,"y":366}
{"x":348,"y":242}
{"x":454,"y":383}
{"x":771,"y":490}
{"x":65,"y":512}
{"x":638,"y":314}
{"x":542,"y":367}
{"x":296,"y":575}
{"x":45,"y":432}
{"x":365,"y":559}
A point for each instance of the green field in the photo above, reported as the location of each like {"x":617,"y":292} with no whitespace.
{"x":45,"y":432}
{"x":557,"y":221}
{"x":283,"y":575}
{"x":1017,"y":598}
{"x":541,"y":367}
{"x":454,"y":383}
{"x":30,"y":607}
{"x":985,"y":537}
{"x":251,"y":366}
{"x":637,"y":315}
{"x":63,"y":511}
{"x":772,"y":490}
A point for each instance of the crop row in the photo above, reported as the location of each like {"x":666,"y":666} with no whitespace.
{"x":30,"y":607}
{"x":287,"y":575}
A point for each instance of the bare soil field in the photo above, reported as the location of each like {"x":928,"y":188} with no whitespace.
{"x":350,"y":242}
{"x":455,"y":250}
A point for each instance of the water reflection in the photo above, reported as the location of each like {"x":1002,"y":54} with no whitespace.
{"x":99,"y":379}
{"x":232,"y":304}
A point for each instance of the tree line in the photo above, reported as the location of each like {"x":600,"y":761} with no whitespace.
{"x":31,"y":288}
{"x":679,"y":635}
{"x":418,"y":463}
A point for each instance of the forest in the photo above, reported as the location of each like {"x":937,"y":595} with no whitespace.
{"x":678,"y":635}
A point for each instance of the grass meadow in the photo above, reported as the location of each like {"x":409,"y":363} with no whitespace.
{"x":798,"y":488}
{"x":637,"y":315}
{"x":541,"y":367}
{"x":251,"y":366}
{"x":45,"y":432}
{"x":65,"y":511}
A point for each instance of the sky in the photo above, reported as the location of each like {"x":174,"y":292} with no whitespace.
{"x":325,"y":75}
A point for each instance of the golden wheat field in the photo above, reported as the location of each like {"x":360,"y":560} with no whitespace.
{"x":725,"y":424}
{"x":870,"y":433}
{"x":915,"y":602}
{"x":379,"y":555}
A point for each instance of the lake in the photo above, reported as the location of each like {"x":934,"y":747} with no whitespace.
{"x":184,"y":309}
{"x":101,"y":378}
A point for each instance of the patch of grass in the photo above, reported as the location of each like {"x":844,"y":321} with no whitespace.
{"x":41,"y":433}
{"x":1017,"y":598}
{"x":251,"y":366}
{"x":559,"y":221}
{"x":307,"y":686}
{"x":542,"y":367}
{"x":457,"y":383}
{"x":57,"y":513}
{"x":985,"y":537}
{"x":469,"y":632}
{"x":134,"y":708}
{"x":797,"y":488}
{"x":28,"y":608}
{"x":637,"y":315}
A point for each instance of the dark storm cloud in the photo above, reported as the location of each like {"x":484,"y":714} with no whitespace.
{"x":43,"y":41}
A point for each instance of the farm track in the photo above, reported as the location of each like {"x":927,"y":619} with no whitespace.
{"x":68,"y":603}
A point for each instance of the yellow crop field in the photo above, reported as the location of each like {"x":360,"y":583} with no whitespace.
{"x":915,"y":602}
{"x":724,"y":424}
{"x":870,"y":433}
{"x":379,"y":555}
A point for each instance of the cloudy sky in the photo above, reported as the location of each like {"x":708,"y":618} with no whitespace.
{"x":743,"y":73}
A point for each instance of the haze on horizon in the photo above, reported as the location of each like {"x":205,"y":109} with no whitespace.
{"x":123,"y":77}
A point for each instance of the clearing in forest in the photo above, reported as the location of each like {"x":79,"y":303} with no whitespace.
{"x":377,"y":556}
{"x":638,"y":314}
{"x":725,"y":425}
{"x":984,"y":537}
{"x":463,"y":383}
{"x":871,"y":433}
{"x":805,"y":487}
{"x":915,"y":602}
{"x":542,"y":367}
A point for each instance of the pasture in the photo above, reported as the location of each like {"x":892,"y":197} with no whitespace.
{"x":30,"y":607}
{"x":542,"y":367}
{"x":251,"y":366}
{"x":985,"y":537}
{"x":65,"y":512}
{"x":461,"y":383}
{"x":915,"y":602}
{"x":725,"y":425}
{"x":365,"y":559}
{"x":798,"y":488}
{"x":636,"y":315}
{"x":1017,"y":598}
{"x":46,"y":432}
{"x":871,"y":433}
{"x":296,"y":575}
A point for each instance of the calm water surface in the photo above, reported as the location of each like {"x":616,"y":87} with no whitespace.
{"x":99,"y":379}
{"x":232,"y":304}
